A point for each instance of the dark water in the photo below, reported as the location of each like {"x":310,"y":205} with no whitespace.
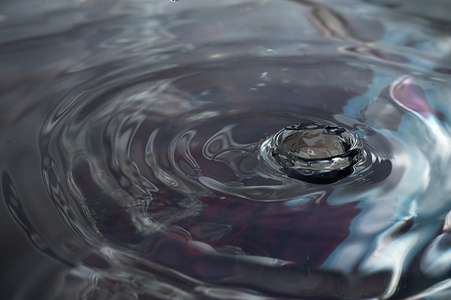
{"x":143,"y":157}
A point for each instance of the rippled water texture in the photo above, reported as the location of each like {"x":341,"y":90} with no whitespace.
{"x":146,"y":149}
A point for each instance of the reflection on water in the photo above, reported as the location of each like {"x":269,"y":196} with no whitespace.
{"x":144,"y":147}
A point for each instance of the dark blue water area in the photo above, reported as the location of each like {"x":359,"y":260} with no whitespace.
{"x":201,"y":149}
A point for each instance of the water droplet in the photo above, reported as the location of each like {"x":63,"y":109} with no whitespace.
{"x":316,"y":153}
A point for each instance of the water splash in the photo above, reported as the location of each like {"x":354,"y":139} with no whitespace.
{"x":316,"y":153}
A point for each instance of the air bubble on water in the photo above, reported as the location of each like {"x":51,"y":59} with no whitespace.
{"x":314,"y":152}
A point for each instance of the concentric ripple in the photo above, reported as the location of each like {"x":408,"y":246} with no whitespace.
{"x":240,"y":149}
{"x":186,"y":176}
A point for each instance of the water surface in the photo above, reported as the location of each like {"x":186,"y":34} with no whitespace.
{"x":140,"y":158}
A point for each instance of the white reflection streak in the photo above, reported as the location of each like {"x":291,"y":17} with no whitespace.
{"x":391,"y":255}
{"x":153,"y":164}
{"x":264,"y":193}
{"x":437,"y":259}
{"x":225,"y":143}
{"x":229,"y":294}
{"x":447,"y":225}
{"x":183,"y":147}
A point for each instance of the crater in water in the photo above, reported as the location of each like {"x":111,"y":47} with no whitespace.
{"x":148,"y":148}
{"x":314,"y":152}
